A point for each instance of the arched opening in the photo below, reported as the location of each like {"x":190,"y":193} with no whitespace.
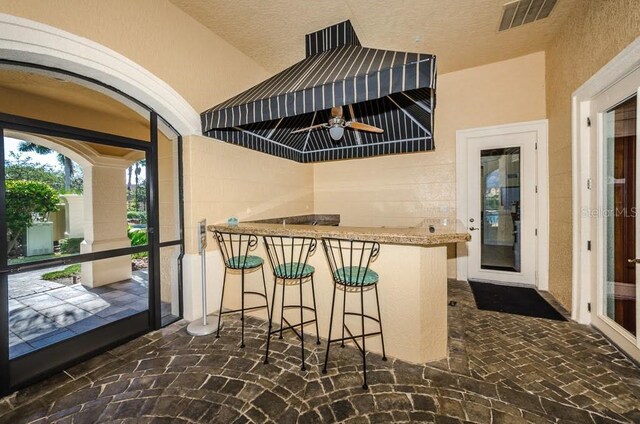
{"x":114,"y":268}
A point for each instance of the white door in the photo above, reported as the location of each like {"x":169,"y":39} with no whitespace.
{"x":501,"y":202}
{"x":615,"y":201}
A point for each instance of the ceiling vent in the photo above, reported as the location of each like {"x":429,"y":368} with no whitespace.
{"x":522,"y":12}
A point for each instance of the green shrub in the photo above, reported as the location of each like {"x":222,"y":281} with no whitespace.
{"x":70,"y":246}
{"x":68,"y":272}
{"x":138,"y":236}
{"x":26,"y":200}
{"x":137,"y":216}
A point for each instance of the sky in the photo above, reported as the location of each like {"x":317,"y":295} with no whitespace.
{"x":11,"y":145}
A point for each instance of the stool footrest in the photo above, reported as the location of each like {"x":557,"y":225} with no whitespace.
{"x":291,"y":327}
{"x":354,"y":338}
{"x":308,"y":308}
{"x":256,"y":293}
{"x":358,"y":314}
{"x":357,"y":336}
{"x":233,"y":311}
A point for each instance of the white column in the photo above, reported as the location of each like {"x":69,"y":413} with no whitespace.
{"x":105,"y":222}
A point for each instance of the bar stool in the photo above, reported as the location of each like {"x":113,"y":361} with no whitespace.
{"x":289,"y":258}
{"x":235,"y":250}
{"x":349,"y":261}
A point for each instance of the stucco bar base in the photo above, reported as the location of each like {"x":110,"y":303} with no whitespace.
{"x":413,"y":300}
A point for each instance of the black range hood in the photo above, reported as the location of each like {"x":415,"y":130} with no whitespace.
{"x":394,"y":91}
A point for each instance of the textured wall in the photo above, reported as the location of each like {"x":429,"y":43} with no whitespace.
{"x":403,"y":189}
{"x":223,"y":180}
{"x":592,"y":36}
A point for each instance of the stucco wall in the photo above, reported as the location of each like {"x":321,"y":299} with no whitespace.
{"x":592,"y":36}
{"x":158,"y":36}
{"x":222,"y":180}
{"x":403,"y":189}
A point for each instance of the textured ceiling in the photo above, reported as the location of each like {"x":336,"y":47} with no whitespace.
{"x":461,"y":33}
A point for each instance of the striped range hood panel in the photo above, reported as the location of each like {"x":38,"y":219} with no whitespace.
{"x":391,"y":90}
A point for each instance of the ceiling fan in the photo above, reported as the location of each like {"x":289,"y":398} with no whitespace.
{"x":337,"y":124}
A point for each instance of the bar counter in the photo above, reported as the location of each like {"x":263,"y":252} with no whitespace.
{"x":429,"y":232}
{"x":412,"y":266}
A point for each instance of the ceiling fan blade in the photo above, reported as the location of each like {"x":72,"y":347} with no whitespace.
{"x":336,"y":112}
{"x":364,"y":127}
{"x":313,"y":127}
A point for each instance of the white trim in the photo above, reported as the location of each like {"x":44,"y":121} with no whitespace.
{"x":28,"y":41}
{"x":542,"y":206}
{"x":624,"y":63}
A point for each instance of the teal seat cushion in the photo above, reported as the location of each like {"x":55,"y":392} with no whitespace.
{"x":356,"y":276}
{"x":242,"y":262}
{"x":293,"y":270}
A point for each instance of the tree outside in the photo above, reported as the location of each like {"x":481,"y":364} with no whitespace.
{"x":66,"y":163}
{"x":19,"y":167}
{"x":27,"y":202}
{"x":33,"y":190}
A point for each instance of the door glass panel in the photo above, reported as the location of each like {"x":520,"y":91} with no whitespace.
{"x":620,"y":228}
{"x":53,"y":304}
{"x":500,"y":209}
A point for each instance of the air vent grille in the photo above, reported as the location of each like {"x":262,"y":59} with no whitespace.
{"x":522,"y":12}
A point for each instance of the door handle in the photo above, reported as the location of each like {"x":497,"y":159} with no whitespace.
{"x":633,"y":261}
{"x":476,"y":229}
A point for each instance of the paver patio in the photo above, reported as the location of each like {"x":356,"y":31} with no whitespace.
{"x":44,"y":312}
{"x":501,"y":369}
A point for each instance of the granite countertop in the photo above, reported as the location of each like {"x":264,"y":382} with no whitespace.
{"x":311,"y":219}
{"x":429,"y":232}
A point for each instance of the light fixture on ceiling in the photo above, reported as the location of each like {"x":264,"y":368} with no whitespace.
{"x":337,"y":124}
{"x":336,"y":132}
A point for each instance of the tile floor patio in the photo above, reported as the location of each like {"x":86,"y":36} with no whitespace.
{"x":44,"y":312}
{"x":501,"y":369}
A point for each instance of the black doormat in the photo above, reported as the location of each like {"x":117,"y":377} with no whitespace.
{"x":513,"y":300}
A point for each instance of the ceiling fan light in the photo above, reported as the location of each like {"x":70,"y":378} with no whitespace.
{"x":336,"y":132}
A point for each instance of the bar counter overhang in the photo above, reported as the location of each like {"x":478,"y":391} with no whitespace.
{"x":412,"y":266}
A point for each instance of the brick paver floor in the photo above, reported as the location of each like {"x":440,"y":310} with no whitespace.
{"x":500,"y":369}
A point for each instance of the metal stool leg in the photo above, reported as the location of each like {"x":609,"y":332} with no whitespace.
{"x":224,"y":280}
{"x":315,"y":313}
{"x":242,"y":311}
{"x":284,"y":284}
{"x":344,"y":307}
{"x":273,"y":300}
{"x":384,"y":355}
{"x":364,"y":348}
{"x":333,"y":303}
{"x":264,"y":285}
{"x":302,"y":326}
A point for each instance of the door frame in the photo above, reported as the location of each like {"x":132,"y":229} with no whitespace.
{"x":20,"y":372}
{"x":584,"y":263}
{"x":540,"y":127}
